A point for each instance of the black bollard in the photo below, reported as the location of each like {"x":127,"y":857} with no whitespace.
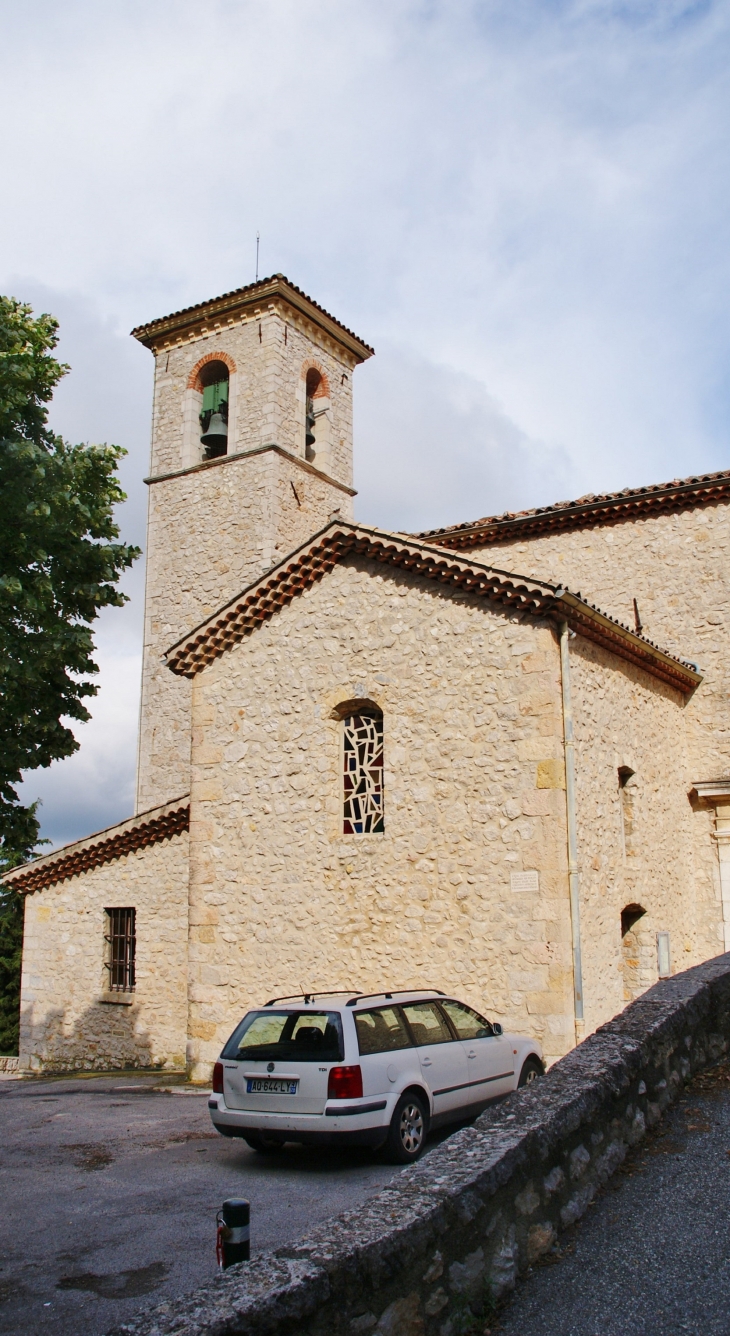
{"x":233,"y":1241}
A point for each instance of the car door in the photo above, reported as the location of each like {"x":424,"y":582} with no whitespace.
{"x":442,"y":1058}
{"x":489,"y":1058}
{"x":388,"y":1059}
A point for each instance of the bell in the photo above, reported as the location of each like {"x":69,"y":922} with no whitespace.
{"x":215,"y":439}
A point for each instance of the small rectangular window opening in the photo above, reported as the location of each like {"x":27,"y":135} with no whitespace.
{"x":662,"y":952}
{"x":121,"y":943}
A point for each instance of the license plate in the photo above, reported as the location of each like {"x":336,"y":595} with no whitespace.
{"x":269,"y":1085}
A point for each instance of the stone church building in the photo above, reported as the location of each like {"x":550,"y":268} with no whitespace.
{"x":377,"y":760}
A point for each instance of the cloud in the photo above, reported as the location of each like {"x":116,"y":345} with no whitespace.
{"x":434,"y":448}
{"x":523,"y":206}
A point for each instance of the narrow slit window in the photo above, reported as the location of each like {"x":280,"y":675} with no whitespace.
{"x":363,"y":774}
{"x":121,"y":943}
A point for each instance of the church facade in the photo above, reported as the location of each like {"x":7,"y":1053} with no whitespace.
{"x":373,"y":760}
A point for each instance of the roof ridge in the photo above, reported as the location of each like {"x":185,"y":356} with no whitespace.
{"x":654,"y":495}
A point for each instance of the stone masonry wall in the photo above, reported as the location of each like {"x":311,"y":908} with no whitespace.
{"x":622,"y":717}
{"x":281,"y":900}
{"x":210,"y":533}
{"x":431,"y":1252}
{"x":677,"y":568}
{"x":64,"y":1025}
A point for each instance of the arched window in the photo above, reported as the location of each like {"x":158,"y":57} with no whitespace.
{"x":317,"y":418}
{"x":214,"y":382}
{"x":362,"y":761}
{"x":631,"y":952}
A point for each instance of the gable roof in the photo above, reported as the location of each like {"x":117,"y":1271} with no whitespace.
{"x":586,"y":512}
{"x":515,"y":593}
{"x":159,"y":823}
{"x":194,"y":320}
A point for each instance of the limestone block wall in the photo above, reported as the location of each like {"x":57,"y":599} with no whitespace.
{"x":64,"y":1025}
{"x":676,"y":567}
{"x":210,"y":533}
{"x":640,"y":845}
{"x":271,"y":351}
{"x":281,"y":900}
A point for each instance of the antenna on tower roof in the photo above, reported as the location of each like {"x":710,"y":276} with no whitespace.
{"x":258,"y":234}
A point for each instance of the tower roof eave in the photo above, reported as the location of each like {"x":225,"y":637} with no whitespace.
{"x":206,"y":315}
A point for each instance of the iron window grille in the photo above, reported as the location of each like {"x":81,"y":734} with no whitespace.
{"x":121,"y":943}
{"x":363,"y":774}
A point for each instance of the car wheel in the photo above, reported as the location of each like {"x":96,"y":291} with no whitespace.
{"x":264,"y":1145}
{"x":408,"y":1128}
{"x":531,"y":1069}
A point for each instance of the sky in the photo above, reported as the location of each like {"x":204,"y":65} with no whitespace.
{"x":521,"y":204}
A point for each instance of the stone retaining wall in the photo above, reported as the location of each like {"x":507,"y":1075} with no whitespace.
{"x":428,"y":1255}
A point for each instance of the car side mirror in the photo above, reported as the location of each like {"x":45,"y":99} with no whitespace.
{"x":497,"y":1028}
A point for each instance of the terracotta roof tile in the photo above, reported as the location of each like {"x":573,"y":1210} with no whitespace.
{"x":587,"y":511}
{"x":160,"y":823}
{"x":277,"y":283}
{"x":339,"y":540}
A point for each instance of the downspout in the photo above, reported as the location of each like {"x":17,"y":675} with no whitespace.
{"x":573,"y":875}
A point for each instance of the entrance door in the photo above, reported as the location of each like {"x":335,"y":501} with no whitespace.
{"x":443,"y":1060}
{"x":489,"y":1058}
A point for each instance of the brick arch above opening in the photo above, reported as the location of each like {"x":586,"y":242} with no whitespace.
{"x":194,"y":377}
{"x":323,"y":389}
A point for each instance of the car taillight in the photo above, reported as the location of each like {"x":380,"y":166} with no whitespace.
{"x":218,"y":1079}
{"x":344,"y":1083}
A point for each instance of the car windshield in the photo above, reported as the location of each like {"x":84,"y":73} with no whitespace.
{"x":301,"y":1036}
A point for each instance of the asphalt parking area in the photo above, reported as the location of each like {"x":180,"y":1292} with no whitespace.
{"x":109,"y":1196}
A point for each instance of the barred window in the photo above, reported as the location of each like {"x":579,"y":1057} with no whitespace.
{"x":363,"y":773}
{"x":121,"y":944}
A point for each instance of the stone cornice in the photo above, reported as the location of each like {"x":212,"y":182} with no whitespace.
{"x":713,"y":790}
{"x":515,"y":593}
{"x":159,"y":823}
{"x":206,"y":317}
{"x":205,"y":464}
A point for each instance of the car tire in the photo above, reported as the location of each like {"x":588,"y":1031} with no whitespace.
{"x":408,"y":1129}
{"x":264,"y":1145}
{"x":531,"y":1069}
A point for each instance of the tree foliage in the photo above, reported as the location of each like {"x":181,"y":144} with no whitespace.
{"x":59,"y":565}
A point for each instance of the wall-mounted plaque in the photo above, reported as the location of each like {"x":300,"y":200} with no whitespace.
{"x":524,"y":881}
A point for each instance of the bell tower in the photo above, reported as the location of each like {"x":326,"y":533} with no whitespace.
{"x":251,"y":454}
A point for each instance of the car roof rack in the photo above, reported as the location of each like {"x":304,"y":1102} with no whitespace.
{"x":395,"y":992}
{"x":309,"y":997}
{"x":357,"y":997}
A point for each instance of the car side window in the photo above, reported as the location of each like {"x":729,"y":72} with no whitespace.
{"x":426,"y":1023}
{"x":467,"y":1023}
{"x":381,"y":1031}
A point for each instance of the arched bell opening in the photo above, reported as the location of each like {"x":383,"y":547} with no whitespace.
{"x":314,"y":386}
{"x":214,"y":380}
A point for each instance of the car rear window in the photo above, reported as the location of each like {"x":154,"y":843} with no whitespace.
{"x":381,"y":1031}
{"x":301,"y":1036}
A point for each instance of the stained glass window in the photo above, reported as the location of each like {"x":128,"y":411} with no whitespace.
{"x":363,"y":774}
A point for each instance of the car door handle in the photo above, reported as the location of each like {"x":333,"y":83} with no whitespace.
{"x":426,"y":1062}
{"x":471,"y":1054}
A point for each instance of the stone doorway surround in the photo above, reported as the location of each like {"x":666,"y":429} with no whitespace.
{"x":716,"y":793}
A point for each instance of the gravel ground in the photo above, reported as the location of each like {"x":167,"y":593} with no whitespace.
{"x":109,"y":1195}
{"x":652,"y":1255}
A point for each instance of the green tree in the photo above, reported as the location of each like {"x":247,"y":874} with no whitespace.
{"x":59,"y":565}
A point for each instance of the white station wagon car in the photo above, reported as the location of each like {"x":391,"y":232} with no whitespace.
{"x":380,"y":1070}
